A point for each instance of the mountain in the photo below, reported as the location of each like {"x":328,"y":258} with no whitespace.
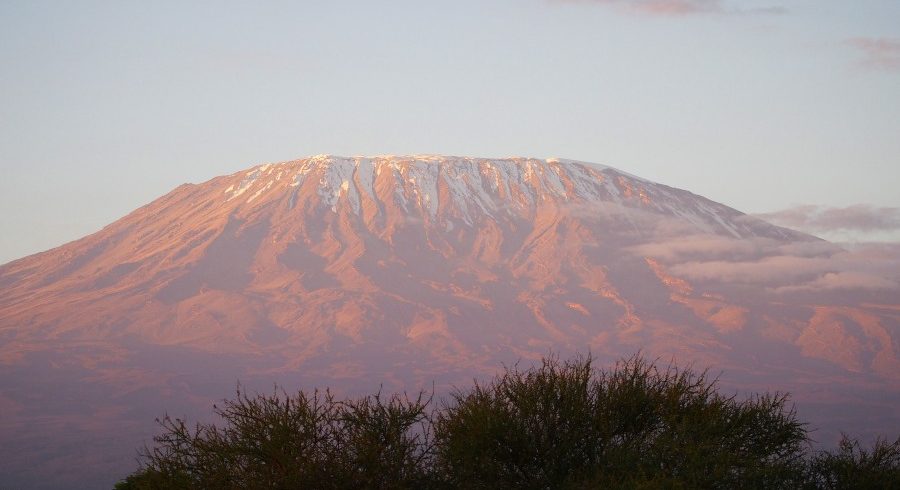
{"x":420,"y":271}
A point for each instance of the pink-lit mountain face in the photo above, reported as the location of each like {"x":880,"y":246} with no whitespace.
{"x":406,"y":271}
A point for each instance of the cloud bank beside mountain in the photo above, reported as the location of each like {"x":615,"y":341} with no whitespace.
{"x":780,"y":267}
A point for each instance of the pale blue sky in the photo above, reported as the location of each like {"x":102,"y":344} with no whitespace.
{"x":760,"y":105}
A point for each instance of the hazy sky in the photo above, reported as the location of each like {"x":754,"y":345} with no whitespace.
{"x":763,"y":106}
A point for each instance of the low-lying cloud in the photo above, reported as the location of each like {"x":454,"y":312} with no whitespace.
{"x":858,"y":217}
{"x":780,"y":266}
{"x":774,"y":270}
{"x":678,"y":8}
{"x":877,"y":52}
{"x":846,"y":280}
{"x":707,"y":247}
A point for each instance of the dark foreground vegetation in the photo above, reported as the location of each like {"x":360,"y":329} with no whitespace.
{"x":560,"y":425}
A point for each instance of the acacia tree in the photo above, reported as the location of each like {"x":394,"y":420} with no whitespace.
{"x":301,"y":441}
{"x":567,"y":424}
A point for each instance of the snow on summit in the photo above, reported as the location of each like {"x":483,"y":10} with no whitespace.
{"x":464,"y":189}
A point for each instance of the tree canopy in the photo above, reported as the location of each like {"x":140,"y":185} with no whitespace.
{"x":562,"y":424}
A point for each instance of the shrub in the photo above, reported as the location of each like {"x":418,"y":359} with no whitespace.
{"x":302,"y":441}
{"x":852,"y":466}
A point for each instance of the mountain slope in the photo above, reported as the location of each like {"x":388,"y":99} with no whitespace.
{"x":331,"y":226}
